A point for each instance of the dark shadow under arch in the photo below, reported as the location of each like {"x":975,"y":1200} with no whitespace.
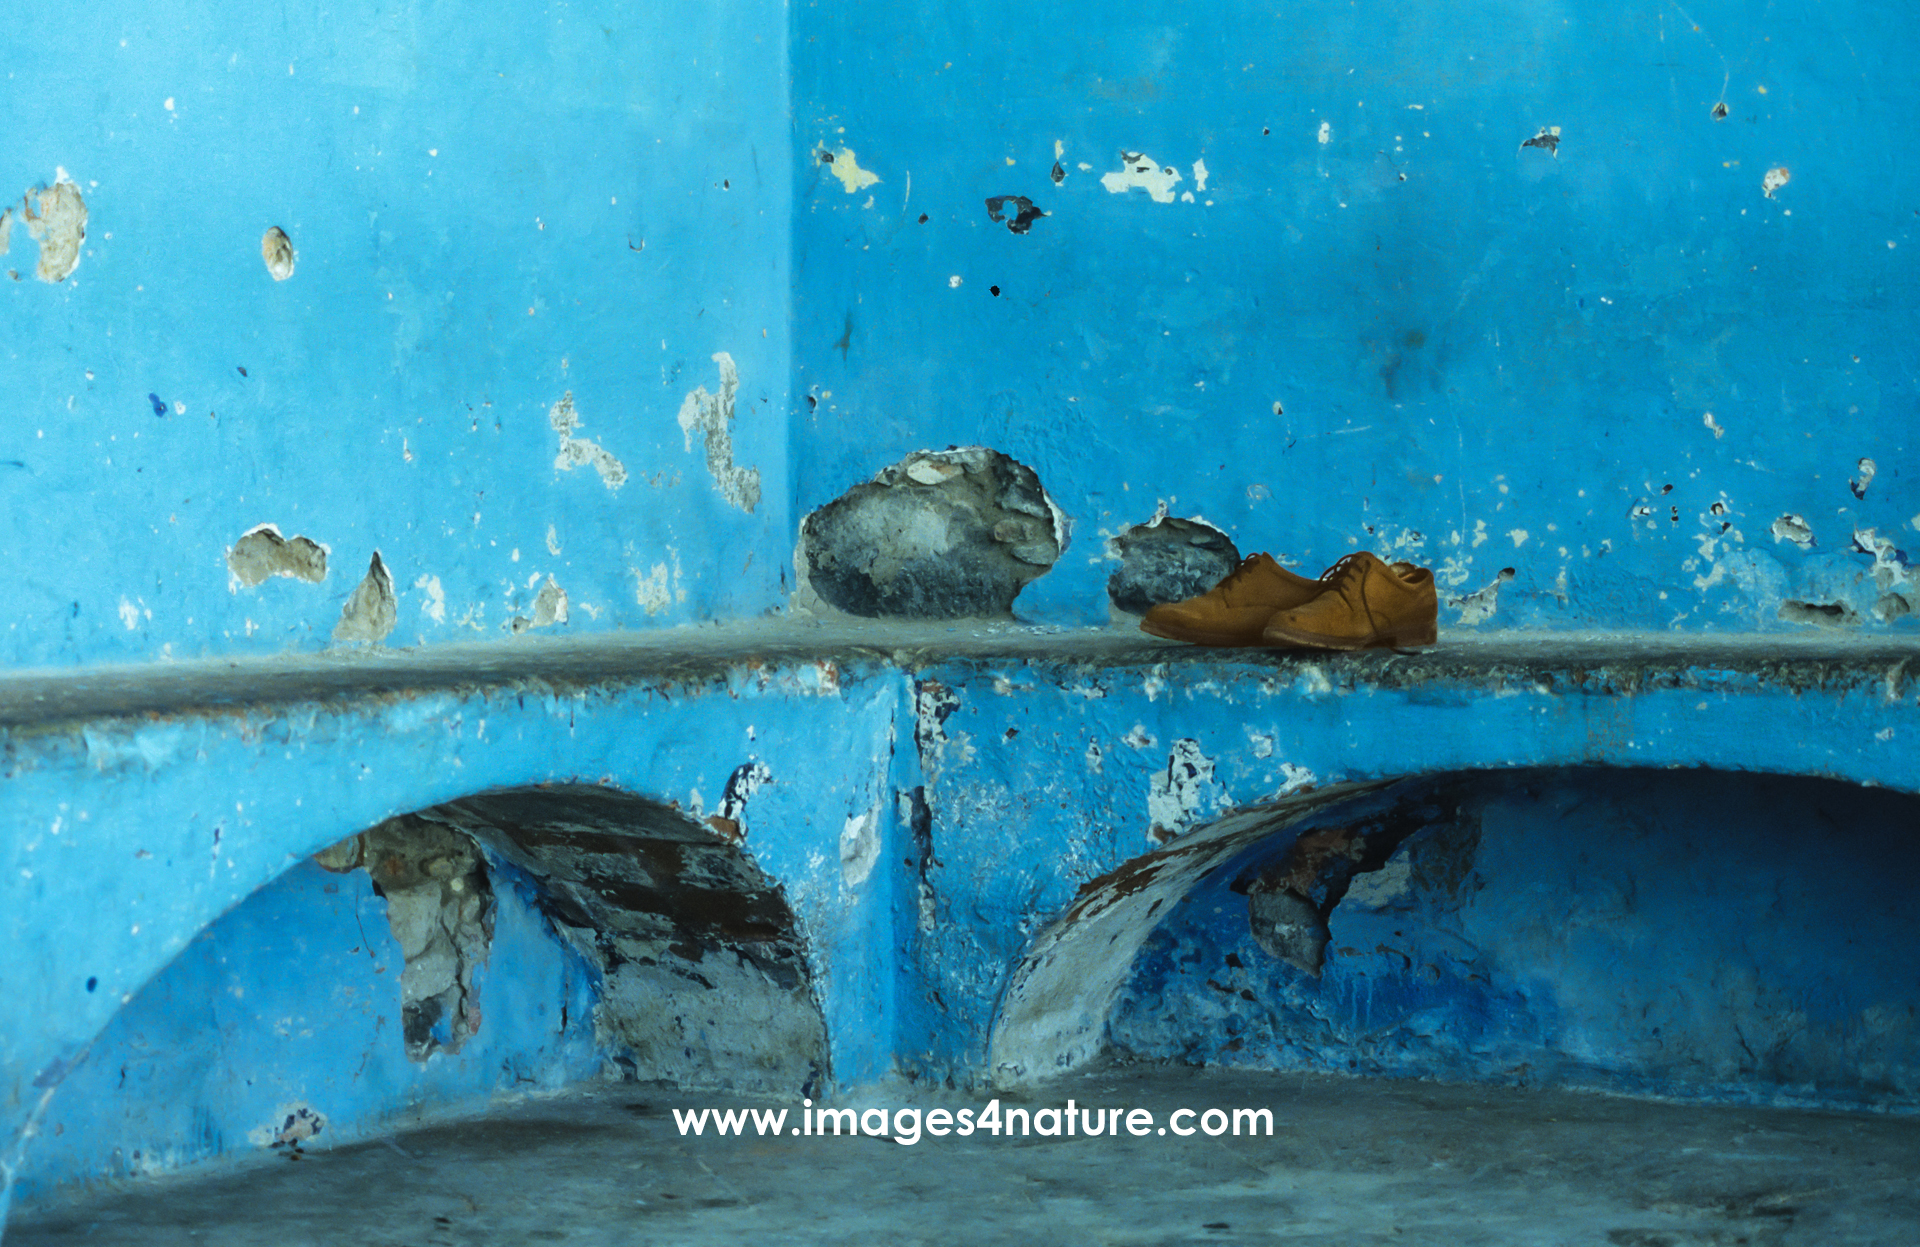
{"x":704,"y":976}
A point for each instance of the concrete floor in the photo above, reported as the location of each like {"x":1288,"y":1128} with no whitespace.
{"x":1350,"y":1162}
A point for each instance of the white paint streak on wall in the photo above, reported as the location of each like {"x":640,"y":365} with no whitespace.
{"x":711,"y":415}
{"x":859,"y":847}
{"x":576,"y":452}
{"x":848,"y":170}
{"x":434,"y":605}
{"x":1142,"y":171}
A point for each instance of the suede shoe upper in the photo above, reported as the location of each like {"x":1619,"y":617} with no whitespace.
{"x":1234,"y":611}
{"x":1366,"y":603}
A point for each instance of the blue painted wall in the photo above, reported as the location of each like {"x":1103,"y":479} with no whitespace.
{"x":1384,"y":321}
{"x":488,"y":212}
{"x":292,"y":1001}
{"x":1696,"y":934}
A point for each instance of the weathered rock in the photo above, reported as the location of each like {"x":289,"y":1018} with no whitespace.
{"x":1167,"y":560}
{"x":942,"y":534}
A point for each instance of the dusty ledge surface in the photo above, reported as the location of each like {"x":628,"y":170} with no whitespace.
{"x":1548,"y":661}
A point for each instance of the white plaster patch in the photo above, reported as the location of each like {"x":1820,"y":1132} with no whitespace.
{"x":1200,"y":176}
{"x":1775,"y":178}
{"x":1096,"y":758}
{"x":1294,"y":779}
{"x":1519,"y":536}
{"x":553,"y":542}
{"x":1176,"y":794}
{"x":577,"y":452}
{"x":434,"y":604}
{"x":1262,"y":743}
{"x":650,"y":589}
{"x":711,"y":415}
{"x":1147,"y":174}
{"x":1326,"y":133}
{"x":848,"y":170}
{"x":1138,"y":738}
{"x":1479,"y":531}
{"x":859,"y":847}
{"x":129,"y":614}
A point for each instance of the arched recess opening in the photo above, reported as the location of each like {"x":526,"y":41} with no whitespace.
{"x":1700,"y":934}
{"x":511,"y":941}
{"x":704,"y":979}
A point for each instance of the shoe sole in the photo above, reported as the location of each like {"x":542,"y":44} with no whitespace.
{"x":1277,"y":637}
{"x":1224,"y":640}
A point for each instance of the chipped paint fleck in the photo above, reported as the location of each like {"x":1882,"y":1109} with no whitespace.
{"x":711,"y":416}
{"x":549,"y":608}
{"x":434,"y":604}
{"x":276,"y":249}
{"x":576,"y":452}
{"x":1478,"y":607}
{"x":1794,"y":528}
{"x":1138,"y":170}
{"x":1775,"y":178}
{"x":56,"y":217}
{"x":1177,"y":793}
{"x":843,"y":166}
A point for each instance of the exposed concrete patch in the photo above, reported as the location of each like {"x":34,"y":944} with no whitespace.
{"x":56,"y":216}
{"x":549,"y":608}
{"x":1025,"y":212}
{"x":372,"y":610}
{"x":1775,"y":178}
{"x":704,"y":979}
{"x":1138,"y":170}
{"x":440,"y":906}
{"x":940,"y":535}
{"x":577,"y":452}
{"x":1167,"y":559}
{"x":842,"y":165}
{"x":1891,"y":574}
{"x":1791,"y":527}
{"x":276,"y":249}
{"x":1478,"y":607}
{"x":711,"y":416}
{"x":262,"y":553}
{"x":1820,"y":614}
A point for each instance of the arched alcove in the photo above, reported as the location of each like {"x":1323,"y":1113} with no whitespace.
{"x":1692,"y":933}
{"x":511,"y":941}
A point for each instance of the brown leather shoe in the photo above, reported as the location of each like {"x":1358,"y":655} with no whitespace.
{"x":1366,"y":604}
{"x":1234,"y":611}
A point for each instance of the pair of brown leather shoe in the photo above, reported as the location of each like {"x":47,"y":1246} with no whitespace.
{"x":1361,"y":602}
